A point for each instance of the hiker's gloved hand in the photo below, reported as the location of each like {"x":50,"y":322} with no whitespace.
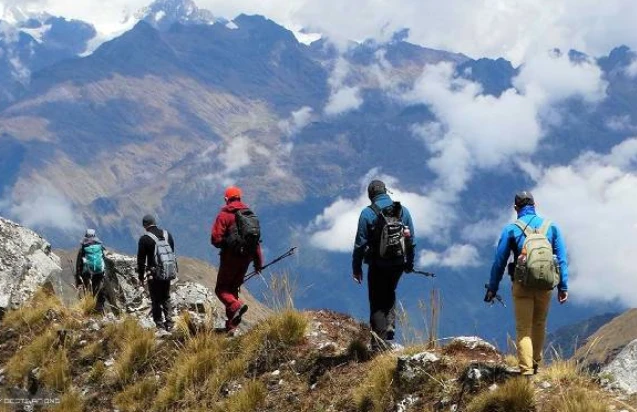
{"x":358,"y":277}
{"x":489,"y":296}
{"x":409,"y":267}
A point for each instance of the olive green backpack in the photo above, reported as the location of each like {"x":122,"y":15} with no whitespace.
{"x":536,"y":267}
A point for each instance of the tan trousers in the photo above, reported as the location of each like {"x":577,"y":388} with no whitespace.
{"x":531,"y":310}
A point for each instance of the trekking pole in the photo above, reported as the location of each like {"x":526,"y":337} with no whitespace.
{"x":422,"y":272}
{"x":496,"y":297}
{"x":280,"y":258}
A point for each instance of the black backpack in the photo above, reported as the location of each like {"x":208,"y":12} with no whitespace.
{"x":388,"y":232}
{"x":245,"y":235}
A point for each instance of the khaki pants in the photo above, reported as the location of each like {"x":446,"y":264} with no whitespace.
{"x":531,"y":310}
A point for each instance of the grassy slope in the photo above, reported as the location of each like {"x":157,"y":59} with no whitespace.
{"x":292,"y":361}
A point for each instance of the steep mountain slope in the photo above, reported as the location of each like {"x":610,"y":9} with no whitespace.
{"x":603,"y":345}
{"x":161,"y":120}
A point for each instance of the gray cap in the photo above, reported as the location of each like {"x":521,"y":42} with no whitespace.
{"x":524,"y":198}
{"x":375,"y":188}
{"x":89,"y":233}
{"x":148,"y":220}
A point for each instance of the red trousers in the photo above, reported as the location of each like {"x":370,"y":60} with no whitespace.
{"x":232,"y":270}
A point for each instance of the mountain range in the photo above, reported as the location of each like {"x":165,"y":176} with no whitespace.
{"x":161,"y":118}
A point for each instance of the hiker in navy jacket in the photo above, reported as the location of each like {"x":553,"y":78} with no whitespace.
{"x":383,"y":274}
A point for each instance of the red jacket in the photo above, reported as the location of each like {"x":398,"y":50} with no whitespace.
{"x":220,"y":229}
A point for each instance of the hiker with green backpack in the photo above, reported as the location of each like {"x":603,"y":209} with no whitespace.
{"x":90,"y":268}
{"x":539,"y":266}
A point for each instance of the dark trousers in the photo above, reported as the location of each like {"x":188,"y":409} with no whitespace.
{"x":160,"y":298}
{"x":382,"y":283}
{"x":95,"y":283}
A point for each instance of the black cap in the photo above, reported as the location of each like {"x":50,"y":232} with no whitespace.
{"x":148,"y":220}
{"x":524,"y":198}
{"x":375,"y":188}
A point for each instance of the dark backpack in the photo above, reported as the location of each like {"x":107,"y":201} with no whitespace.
{"x":245,"y":234}
{"x":165,"y":259}
{"x":388,"y":232}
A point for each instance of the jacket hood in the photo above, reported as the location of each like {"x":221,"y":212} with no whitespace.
{"x":234,"y":206}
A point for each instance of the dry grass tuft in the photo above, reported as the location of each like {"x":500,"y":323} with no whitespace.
{"x":282,"y":289}
{"x":579,"y":400}
{"x":287,"y":328}
{"x":511,"y":360}
{"x":56,"y":372}
{"x":561,"y":371}
{"x":85,"y":306}
{"x":374,"y":393}
{"x":514,"y":395}
{"x":97,"y":372}
{"x":137,"y":397}
{"x":32,"y":316}
{"x":136,"y":352}
{"x":71,"y":401}
{"x":248,"y":399}
{"x":30,"y":357}
{"x":196,"y":362}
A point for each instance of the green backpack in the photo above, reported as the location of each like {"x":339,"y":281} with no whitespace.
{"x":535,"y":267}
{"x":93,"y":259}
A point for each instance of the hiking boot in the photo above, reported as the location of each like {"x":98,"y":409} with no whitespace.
{"x":169,"y":326}
{"x":235,"y":320}
{"x":389,"y":335}
{"x":160,"y":325}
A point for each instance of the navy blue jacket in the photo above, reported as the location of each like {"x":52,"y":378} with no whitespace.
{"x":512,"y":240}
{"x":366,"y":222}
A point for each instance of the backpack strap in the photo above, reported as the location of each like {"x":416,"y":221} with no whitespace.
{"x":376,"y":209}
{"x":544,"y":229}
{"x":152,"y":236}
{"x":524,"y":227}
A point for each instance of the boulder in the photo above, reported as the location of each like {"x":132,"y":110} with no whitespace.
{"x":123,"y":289}
{"x":623,"y":369}
{"x":193,"y":297}
{"x":26,"y":264}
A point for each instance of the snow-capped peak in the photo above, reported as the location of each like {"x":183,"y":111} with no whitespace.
{"x":164,"y":13}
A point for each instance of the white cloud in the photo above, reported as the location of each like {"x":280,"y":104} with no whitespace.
{"x":591,"y":201}
{"x":236,"y":155}
{"x":454,"y":257}
{"x":44,"y":206}
{"x":620,"y":123}
{"x":478,"y":131}
{"x":631,"y":70}
{"x":335,"y":228}
{"x":297,"y":121}
{"x":343,"y":100}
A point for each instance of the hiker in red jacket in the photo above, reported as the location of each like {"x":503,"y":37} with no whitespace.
{"x":236,"y":253}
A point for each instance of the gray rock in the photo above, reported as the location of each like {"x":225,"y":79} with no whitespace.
{"x":192,"y":296}
{"x":26,"y":264}
{"x":479,"y":373}
{"x":623,"y":369}
{"x":413,"y":370}
{"x":472,"y":343}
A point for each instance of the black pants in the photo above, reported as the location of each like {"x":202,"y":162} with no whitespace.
{"x":95,"y":283}
{"x":382,"y":283}
{"x":160,"y":298}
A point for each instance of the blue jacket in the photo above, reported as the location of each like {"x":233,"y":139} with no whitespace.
{"x":512,"y":240}
{"x":366,"y":222}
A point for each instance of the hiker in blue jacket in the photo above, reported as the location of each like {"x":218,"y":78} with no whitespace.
{"x":531,"y":304}
{"x":383,"y":272}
